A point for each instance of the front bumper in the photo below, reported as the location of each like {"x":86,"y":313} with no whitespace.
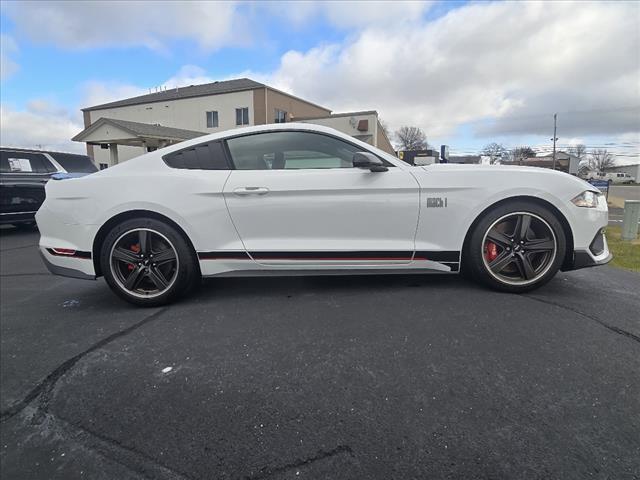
{"x":597,"y":254}
{"x":583,"y":259}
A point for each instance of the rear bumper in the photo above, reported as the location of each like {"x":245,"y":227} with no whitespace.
{"x":74,"y":267}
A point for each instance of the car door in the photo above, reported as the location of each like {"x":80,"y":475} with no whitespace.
{"x":294,"y":196}
{"x":22,"y":179}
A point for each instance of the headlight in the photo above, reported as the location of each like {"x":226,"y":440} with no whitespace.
{"x":586,"y":199}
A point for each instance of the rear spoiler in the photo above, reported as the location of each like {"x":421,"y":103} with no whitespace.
{"x":66,"y":176}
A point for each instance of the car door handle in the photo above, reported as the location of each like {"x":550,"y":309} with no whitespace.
{"x":251,"y":191}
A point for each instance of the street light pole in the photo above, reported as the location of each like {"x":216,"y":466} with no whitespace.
{"x":555,"y":117}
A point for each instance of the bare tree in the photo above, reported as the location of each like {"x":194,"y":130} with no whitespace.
{"x":518,"y":154}
{"x":600,"y":160}
{"x":495,"y":151}
{"x":411,"y":138}
{"x":579,"y":150}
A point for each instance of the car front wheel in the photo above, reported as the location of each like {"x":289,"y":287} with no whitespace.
{"x":516,"y":247}
{"x":148,"y":262}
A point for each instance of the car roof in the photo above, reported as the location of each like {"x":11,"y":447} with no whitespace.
{"x":274,"y":127}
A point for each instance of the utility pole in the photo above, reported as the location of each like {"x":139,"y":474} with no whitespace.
{"x":555,"y":118}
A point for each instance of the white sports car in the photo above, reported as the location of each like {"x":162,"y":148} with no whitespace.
{"x":301,"y":199}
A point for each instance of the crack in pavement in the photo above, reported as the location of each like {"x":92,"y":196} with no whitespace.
{"x":44,"y":389}
{"x":614,"y":329}
{"x":138,"y":462}
{"x":321,"y":455}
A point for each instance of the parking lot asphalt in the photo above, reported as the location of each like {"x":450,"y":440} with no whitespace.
{"x":325,"y":377}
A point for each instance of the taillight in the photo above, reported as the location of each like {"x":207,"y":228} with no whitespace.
{"x":64,"y":251}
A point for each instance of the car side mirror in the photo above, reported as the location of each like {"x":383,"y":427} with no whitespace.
{"x":369,"y":161}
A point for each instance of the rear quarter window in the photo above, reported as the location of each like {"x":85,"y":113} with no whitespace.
{"x":209,"y":156}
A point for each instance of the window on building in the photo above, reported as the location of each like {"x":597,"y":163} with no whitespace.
{"x":290,"y":150}
{"x":103,"y":166}
{"x":242,"y":116}
{"x":212,"y":119}
{"x":281,"y":116}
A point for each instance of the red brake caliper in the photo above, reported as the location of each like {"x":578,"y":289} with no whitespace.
{"x":491,"y":252}
{"x":135,"y":248}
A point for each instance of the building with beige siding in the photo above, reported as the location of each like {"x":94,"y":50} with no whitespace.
{"x":117,"y":131}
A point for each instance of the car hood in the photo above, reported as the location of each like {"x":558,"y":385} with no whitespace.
{"x":512,"y":172}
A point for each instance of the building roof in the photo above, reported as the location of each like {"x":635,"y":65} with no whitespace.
{"x":335,"y":115}
{"x":140,"y":130}
{"x":624,"y":165}
{"x":559,"y":154}
{"x":206,"y":89}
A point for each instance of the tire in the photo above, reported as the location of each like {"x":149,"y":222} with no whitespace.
{"x":500,"y":257}
{"x":128,"y":259}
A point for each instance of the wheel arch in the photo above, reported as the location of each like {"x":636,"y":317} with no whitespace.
{"x":103,"y":231}
{"x":566,"y":227}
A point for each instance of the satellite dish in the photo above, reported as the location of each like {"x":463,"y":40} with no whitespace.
{"x":353,"y":122}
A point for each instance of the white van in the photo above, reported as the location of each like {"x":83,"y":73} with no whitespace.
{"x":613,"y":177}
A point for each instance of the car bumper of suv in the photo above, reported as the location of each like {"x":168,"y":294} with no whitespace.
{"x":17,"y":217}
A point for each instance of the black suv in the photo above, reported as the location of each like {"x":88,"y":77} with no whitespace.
{"x":23,"y":174}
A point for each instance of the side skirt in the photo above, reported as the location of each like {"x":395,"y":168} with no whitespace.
{"x":239,"y":263}
{"x":341,"y":272}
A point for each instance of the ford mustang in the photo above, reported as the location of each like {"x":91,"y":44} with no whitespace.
{"x":301,"y":199}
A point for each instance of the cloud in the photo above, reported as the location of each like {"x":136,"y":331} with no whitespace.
{"x":513,"y":63}
{"x":43,"y":125}
{"x":82,"y":25}
{"x":189,"y":75}
{"x":350,"y":14}
{"x":8,"y":47}
{"x":211,"y":24}
{"x":96,"y":92}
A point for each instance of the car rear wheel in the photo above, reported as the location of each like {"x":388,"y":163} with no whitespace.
{"x":516,"y":247}
{"x":148,"y":262}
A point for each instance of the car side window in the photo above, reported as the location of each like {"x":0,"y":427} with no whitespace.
{"x":208,"y":156}
{"x":290,"y":150}
{"x":25,"y":162}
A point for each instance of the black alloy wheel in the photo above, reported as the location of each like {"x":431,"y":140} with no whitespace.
{"x":144,"y":262}
{"x":148,"y":262}
{"x":515,"y":247}
{"x":519,"y":248}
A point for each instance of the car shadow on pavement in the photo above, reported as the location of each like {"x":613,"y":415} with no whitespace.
{"x":289,"y":286}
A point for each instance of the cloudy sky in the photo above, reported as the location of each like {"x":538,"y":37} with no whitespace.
{"x":468,"y":73}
